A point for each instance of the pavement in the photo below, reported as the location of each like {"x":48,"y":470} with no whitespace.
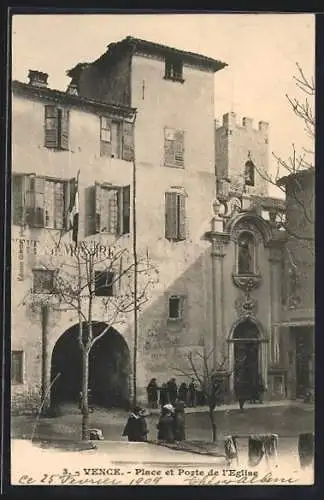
{"x":124,"y":463}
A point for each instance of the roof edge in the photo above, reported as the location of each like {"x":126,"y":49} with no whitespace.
{"x":74,"y":100}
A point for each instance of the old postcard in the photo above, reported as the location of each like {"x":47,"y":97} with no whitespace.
{"x":162,"y":249}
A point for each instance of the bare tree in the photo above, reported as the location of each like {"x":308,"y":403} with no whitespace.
{"x":200,"y":367}
{"x":300,"y":159}
{"x":93,"y":279}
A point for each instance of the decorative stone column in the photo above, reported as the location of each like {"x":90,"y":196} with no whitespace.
{"x":218,"y":240}
{"x":275,"y":260}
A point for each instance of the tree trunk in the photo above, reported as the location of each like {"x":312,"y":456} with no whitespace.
{"x":85,"y":387}
{"x":45,"y":392}
{"x":211,"y":415}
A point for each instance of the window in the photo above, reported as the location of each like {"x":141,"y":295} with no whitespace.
{"x":246,"y":250}
{"x":175,"y":307}
{"x":249,"y":173}
{"x":173,"y":148}
{"x":43,"y":281}
{"x":116,"y":139}
{"x":175,"y":216}
{"x":39,"y":201}
{"x":56,"y":127}
{"x":108,"y":209}
{"x":104,"y":286}
{"x":174,"y":68}
{"x":17,"y":376}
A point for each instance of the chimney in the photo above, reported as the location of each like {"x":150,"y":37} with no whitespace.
{"x":37,"y":78}
{"x":72,"y":89}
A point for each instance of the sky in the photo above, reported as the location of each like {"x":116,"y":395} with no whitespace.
{"x":261,"y":51}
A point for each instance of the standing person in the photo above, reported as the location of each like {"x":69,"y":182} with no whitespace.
{"x":172,"y":390}
{"x":152,"y":393}
{"x":242,"y":391}
{"x":192,"y":393}
{"x":166,"y":424}
{"x":164,"y":397}
{"x":260,"y":389}
{"x":136,"y":426}
{"x":179,"y":422}
{"x":183,"y":392}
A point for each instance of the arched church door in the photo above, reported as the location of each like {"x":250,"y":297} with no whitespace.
{"x":246,"y":355}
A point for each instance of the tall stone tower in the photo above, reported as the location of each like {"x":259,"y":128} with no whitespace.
{"x":242,"y":154}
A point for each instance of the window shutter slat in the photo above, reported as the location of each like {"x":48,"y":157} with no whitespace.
{"x":65,"y":125}
{"x":97,"y":208}
{"x":182,"y":217}
{"x":128,"y":141}
{"x":126,"y":210}
{"x":168,"y":152}
{"x":179,"y":148}
{"x":171,"y":216}
{"x":105,"y":136}
{"x":30,"y":200}
{"x":51,"y":126}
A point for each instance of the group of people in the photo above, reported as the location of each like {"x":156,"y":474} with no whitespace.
{"x":171,"y":425}
{"x":169,"y":393}
{"x":252,"y":392}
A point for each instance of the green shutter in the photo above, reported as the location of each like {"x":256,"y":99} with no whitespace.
{"x":181,"y":217}
{"x":51,"y":126}
{"x":64,"y":129}
{"x":126,"y":210}
{"x":171,"y":216}
{"x":128,"y":141}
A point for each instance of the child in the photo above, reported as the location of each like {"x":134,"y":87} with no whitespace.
{"x":166,"y":424}
{"x":179,"y":422}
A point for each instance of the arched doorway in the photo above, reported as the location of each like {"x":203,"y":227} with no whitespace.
{"x":246,"y":340}
{"x":109,"y":368}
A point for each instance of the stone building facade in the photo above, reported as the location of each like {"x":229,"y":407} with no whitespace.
{"x":215,"y":242}
{"x":298,"y":294}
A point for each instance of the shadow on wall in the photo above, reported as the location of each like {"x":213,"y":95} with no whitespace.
{"x":172,"y":324}
{"x":109,"y":366}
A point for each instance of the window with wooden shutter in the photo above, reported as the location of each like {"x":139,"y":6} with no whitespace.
{"x":64,"y":126}
{"x":57,"y":127}
{"x":108,"y":209}
{"x":39,"y":201}
{"x":171,"y":216}
{"x":105,"y":136}
{"x":128,"y":141}
{"x":17,"y":374}
{"x":51,"y":126}
{"x":181,"y":217}
{"x":93,"y":209}
{"x":173,"y":148}
{"x":175,"y":216}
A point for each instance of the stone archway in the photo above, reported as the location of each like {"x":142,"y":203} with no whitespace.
{"x":247,"y":356}
{"x":109,"y":368}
